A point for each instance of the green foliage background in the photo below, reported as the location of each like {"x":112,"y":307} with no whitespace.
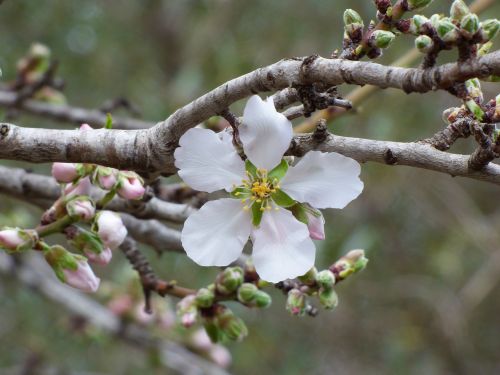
{"x":428,"y":303}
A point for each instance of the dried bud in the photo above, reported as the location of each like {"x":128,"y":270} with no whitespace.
{"x":205,"y":298}
{"x":447,"y":31}
{"x":418,"y":4}
{"x":105,"y":177}
{"x":130,"y":185}
{"x":17,"y":240}
{"x":424,"y":43}
{"x":72,"y":269}
{"x":382,"y":38}
{"x":469,"y":25}
{"x":80,"y":208}
{"x":458,"y":10}
{"x":187,"y":312}
{"x":489,"y":29}
{"x":325,"y":279}
{"x":328,"y":298}
{"x":110,"y":228}
{"x":231,"y":326}
{"x":247,"y":293}
{"x":229,"y":280}
{"x":65,"y":172}
{"x":296,"y":302}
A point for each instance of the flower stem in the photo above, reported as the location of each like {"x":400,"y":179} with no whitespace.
{"x":55,"y":227}
{"x":106,"y":199}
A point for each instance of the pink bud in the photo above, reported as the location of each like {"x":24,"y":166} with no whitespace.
{"x":131,"y":188}
{"x":316,"y":226}
{"x":10,"y":239}
{"x":64,"y":172}
{"x":111,"y":229}
{"x":188,"y":319}
{"x":102,"y":259}
{"x":107,"y":182}
{"x":86,"y":127}
{"x":220,"y":356}
{"x":201,"y":341}
{"x":81,"y":188}
{"x":120,"y":305}
{"x":82,"y":278}
{"x":80,"y":208}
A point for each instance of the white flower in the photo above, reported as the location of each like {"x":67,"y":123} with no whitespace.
{"x":270,"y":194}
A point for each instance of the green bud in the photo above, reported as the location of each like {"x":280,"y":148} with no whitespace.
{"x":357,"y":259}
{"x":309,"y":278}
{"x":485,"y":48}
{"x":296,"y":302}
{"x":187,"y":311}
{"x":353,"y":261}
{"x":382,"y":38}
{"x":328,"y":298}
{"x":417,"y":22}
{"x":229,"y":280}
{"x":489,"y":29}
{"x":326,"y":279}
{"x":418,"y":4}
{"x":247,"y":293}
{"x":447,"y":31}
{"x":469,"y":25}
{"x":474,"y":91}
{"x":212,"y":330}
{"x":231,"y":326}
{"x":424,"y":43}
{"x":458,"y":10}
{"x":205,"y":298}
{"x":262,"y":299}
{"x":475,"y":109}
{"x":352,"y":17}
{"x":434,"y":20}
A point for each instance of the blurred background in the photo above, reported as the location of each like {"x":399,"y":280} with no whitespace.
{"x":429,"y":300}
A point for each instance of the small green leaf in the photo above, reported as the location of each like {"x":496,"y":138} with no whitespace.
{"x":279,"y":171}
{"x":475,"y":109}
{"x":257,"y":213}
{"x":109,"y":121}
{"x":282,"y":199}
{"x":250,"y":168}
{"x":300,"y":213}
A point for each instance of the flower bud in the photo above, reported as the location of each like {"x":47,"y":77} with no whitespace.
{"x":80,"y":208}
{"x":474,"y":91}
{"x":212,"y":329}
{"x":424,"y":43}
{"x":219,"y":355}
{"x":328,"y":298}
{"x":316,"y":225}
{"x":65,"y":172}
{"x":17,"y":240}
{"x":450,"y":114}
{"x":200,"y":340}
{"x":357,"y":259}
{"x":103,"y":258}
{"x":247,"y":293}
{"x":85,"y":127}
{"x":39,"y":51}
{"x":469,"y":25}
{"x":458,"y":10}
{"x":105,"y":177}
{"x":418,"y":4}
{"x":417,"y":22}
{"x":110,"y":228}
{"x":350,"y":263}
{"x":231,"y":326}
{"x":447,"y":31}
{"x":325,"y":279}
{"x":90,"y":244}
{"x":382,"y":38}
{"x":205,"y":298}
{"x":229,"y":280}
{"x":489,"y":29}
{"x":187,"y":312}
{"x":72,"y":269}
{"x":82,"y":187}
{"x":475,"y":109}
{"x":352,"y":17}
{"x":435,"y":19}
{"x":130,"y":185}
{"x":262,"y":299}
{"x":296,"y":302}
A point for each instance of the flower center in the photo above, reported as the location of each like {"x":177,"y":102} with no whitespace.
{"x":258,"y":188}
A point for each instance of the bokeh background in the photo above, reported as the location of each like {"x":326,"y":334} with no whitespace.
{"x":429,"y":300}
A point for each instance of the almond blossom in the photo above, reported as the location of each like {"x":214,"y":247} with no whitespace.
{"x":271,"y":201}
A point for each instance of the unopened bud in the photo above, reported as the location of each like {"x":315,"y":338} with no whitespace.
{"x":351,"y":16}
{"x":262,"y":299}
{"x":490,"y":29}
{"x":474,"y":91}
{"x":350,"y":263}
{"x":296,"y":302}
{"x":90,"y":244}
{"x":130,"y":186}
{"x":39,"y":51}
{"x":187,"y":312}
{"x":328,"y":298}
{"x":458,"y":10}
{"x":417,"y":22}
{"x":110,"y":228}
{"x":469,"y":25}
{"x":424,"y":43}
{"x":205,"y":298}
{"x":353,"y":24}
{"x":82,"y":187}
{"x":17,"y":240}
{"x":418,"y":4}
{"x":485,"y":49}
{"x":325,"y":279}
{"x":315,"y":224}
{"x":65,"y":172}
{"x":450,"y":114}
{"x":105,"y":177}
{"x":80,"y":208}
{"x":231,"y":326}
{"x":382,"y":38}
{"x":447,"y":31}
{"x":475,"y":109}
{"x":247,"y":293}
{"x":229,"y":280}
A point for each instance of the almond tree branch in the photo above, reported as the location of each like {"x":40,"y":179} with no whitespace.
{"x":152,"y":150}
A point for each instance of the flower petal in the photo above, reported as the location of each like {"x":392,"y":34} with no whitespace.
{"x":207,"y":163}
{"x":216,"y":234}
{"x":265,"y":133}
{"x":324,"y":180}
{"x":282,"y":248}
